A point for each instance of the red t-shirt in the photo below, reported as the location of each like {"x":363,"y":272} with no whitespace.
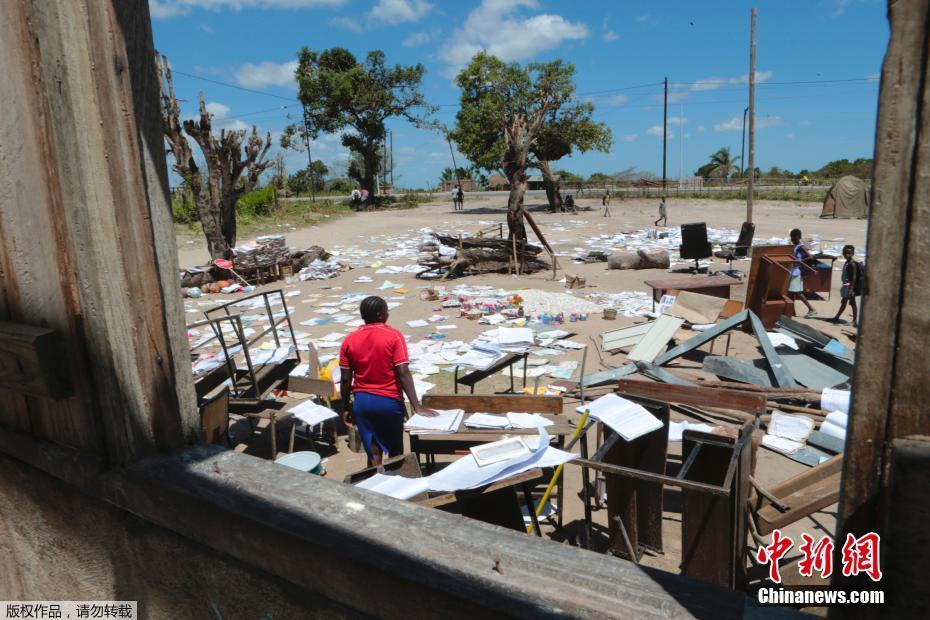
{"x":372,"y":351}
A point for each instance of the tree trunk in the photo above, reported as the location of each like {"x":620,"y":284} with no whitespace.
{"x":371,"y":159}
{"x":555,"y":203}
{"x":515,"y":169}
{"x":228,"y":220}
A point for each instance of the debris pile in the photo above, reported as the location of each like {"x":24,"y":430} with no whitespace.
{"x":449,"y":256}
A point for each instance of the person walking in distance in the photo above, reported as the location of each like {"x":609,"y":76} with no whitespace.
{"x":801,"y":254}
{"x":852,"y":284}
{"x":663,"y":213}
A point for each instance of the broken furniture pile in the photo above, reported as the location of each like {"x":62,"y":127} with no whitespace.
{"x":455,"y":256}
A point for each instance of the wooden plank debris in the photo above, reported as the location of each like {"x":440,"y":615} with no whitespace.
{"x":694,"y":395}
{"x":32,"y":361}
{"x":653,"y":341}
{"x":625,"y":337}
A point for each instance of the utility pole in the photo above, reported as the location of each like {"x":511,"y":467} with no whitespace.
{"x":664,"y":134}
{"x":681,"y":144}
{"x":391,"y":138}
{"x":742,"y":152}
{"x":752,"y":115}
{"x":309,"y":158}
{"x":455,"y":168}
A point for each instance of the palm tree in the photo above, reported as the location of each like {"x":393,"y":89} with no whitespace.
{"x":721,"y":163}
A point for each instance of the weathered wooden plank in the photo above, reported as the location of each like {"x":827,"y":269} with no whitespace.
{"x":662,"y":330}
{"x":801,"y":503}
{"x":87,"y":237}
{"x":695,"y":395}
{"x":890,"y":387}
{"x":495,"y":403}
{"x":32,"y":361}
{"x":625,"y":337}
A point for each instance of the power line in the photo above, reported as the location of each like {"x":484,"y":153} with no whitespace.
{"x":237,"y":87}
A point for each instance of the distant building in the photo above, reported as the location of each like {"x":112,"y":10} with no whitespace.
{"x":536,"y":181}
{"x":468,"y":185}
{"x":498,"y":182}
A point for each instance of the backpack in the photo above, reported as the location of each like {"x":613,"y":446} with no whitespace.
{"x":860,"y":269}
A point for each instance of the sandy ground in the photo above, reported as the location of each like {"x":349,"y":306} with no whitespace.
{"x":375,"y":231}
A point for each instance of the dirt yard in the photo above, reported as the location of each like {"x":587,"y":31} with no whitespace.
{"x":374,"y":237}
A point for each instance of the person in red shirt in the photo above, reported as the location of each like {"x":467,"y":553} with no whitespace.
{"x":373,"y":362}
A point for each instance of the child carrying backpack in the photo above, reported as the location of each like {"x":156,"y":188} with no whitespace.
{"x":853,"y":275}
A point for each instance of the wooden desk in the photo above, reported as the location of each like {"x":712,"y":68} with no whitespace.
{"x":549,"y":407}
{"x":475,"y":376}
{"x":715,"y":286}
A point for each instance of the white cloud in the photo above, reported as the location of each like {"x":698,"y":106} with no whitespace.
{"x":346,"y":22}
{"x":218,"y":110}
{"x":399,"y":11}
{"x":417,"y":38}
{"x":616,"y":100}
{"x":675,"y":96}
{"x":266,"y":74}
{"x":736,"y":123}
{"x":610,"y":35}
{"x":166,"y":9}
{"x":496,"y":26}
{"x":629,"y":138}
{"x":206,"y":28}
{"x":839,"y":7}
{"x":713,"y":83}
{"x":677,"y":120}
{"x":656,"y":130}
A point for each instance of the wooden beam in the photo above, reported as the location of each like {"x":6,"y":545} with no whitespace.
{"x":890,"y":387}
{"x":87,"y":244}
{"x":694,"y":395}
{"x":32,"y":361}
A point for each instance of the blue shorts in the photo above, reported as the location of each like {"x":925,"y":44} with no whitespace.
{"x":380,"y":420}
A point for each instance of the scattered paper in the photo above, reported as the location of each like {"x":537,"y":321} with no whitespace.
{"x":447,"y":421}
{"x":787,"y":426}
{"x":626,"y":418}
{"x":835,"y":400}
{"x":417,"y":323}
{"x":311,"y":413}
{"x":675,"y":429}
{"x":397,"y":487}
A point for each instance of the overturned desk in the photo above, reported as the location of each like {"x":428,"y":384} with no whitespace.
{"x":715,"y":286}
{"x":506,"y":361}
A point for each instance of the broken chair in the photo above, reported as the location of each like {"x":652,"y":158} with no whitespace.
{"x":739,"y":249}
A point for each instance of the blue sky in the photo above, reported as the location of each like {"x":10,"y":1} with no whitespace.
{"x":817,"y":66}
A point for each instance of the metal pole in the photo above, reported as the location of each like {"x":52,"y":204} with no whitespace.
{"x":681,"y":144}
{"x":742,"y":152}
{"x":309,"y":158}
{"x":391,"y":137}
{"x":752,"y":115}
{"x":455,"y":167}
{"x":664,"y":134}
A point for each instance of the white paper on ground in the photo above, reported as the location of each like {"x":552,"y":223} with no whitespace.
{"x":779,"y":339}
{"x":417,"y":323}
{"x":838,"y":418}
{"x":675,"y":429}
{"x":780,"y":444}
{"x":397,"y":487}
{"x":626,"y":418}
{"x":514,"y":335}
{"x":444,"y":327}
{"x":787,"y":426}
{"x":311,"y":413}
{"x":834,"y":430}
{"x":835,"y":400}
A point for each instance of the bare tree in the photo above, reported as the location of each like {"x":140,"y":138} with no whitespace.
{"x":226,"y":157}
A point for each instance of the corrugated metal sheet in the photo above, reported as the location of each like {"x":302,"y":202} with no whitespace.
{"x":652,"y":343}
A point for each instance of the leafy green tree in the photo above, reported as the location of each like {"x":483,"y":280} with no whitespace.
{"x":504,"y":108}
{"x":306,"y":181}
{"x":598,"y":177}
{"x":448,"y":174}
{"x":339,"y":92}
{"x":566,"y":130}
{"x":569,"y":179}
